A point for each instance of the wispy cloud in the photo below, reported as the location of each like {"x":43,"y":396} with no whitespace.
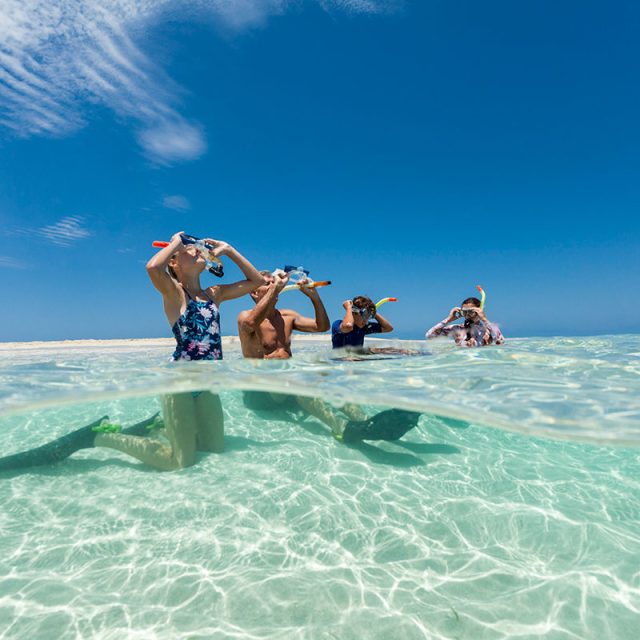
{"x":179,"y":203}
{"x":58,"y":57}
{"x":65,"y":231}
{"x":6,"y":262}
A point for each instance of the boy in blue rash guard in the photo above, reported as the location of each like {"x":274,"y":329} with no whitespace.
{"x":361,"y":318}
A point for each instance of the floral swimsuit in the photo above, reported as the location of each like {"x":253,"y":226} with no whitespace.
{"x":480,"y":332}
{"x":197,"y":331}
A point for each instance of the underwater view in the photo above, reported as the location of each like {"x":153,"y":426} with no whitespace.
{"x":510,"y":510}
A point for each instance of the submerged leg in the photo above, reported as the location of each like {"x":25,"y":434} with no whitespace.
{"x":210,"y":435}
{"x":145,"y":427}
{"x":324,"y":412}
{"x":354,"y":411}
{"x":53,"y":451}
{"x":181,"y":424}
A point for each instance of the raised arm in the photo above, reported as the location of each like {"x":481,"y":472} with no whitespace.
{"x":385,"y":325}
{"x":157,"y":266}
{"x":236,"y":289}
{"x":321,"y":321}
{"x":172,"y":295}
{"x":439,"y":329}
{"x":249,"y":321}
{"x":346,"y":326}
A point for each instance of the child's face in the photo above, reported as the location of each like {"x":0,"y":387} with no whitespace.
{"x":188,"y":261}
{"x":361,"y":315}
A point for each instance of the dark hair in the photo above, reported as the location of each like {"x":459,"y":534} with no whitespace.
{"x":363,"y":302}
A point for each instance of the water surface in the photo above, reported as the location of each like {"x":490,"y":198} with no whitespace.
{"x":511,"y":511}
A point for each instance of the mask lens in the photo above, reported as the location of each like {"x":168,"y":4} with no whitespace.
{"x":364,"y":313}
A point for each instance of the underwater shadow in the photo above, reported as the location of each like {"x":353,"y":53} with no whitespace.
{"x":280,"y":415}
{"x":454,"y":423}
{"x":240,"y":443}
{"x":429,"y":448}
{"x":382,"y":456}
{"x":313,"y":426}
{"x":74,"y":466}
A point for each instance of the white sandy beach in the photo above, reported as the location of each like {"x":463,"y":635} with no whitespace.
{"x":130,"y":342}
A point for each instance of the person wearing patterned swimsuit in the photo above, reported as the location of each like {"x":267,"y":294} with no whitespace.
{"x":197,"y":331}
{"x":476,"y":331}
{"x":193,"y":422}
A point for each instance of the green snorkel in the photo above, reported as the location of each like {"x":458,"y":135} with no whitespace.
{"x":384,"y":300}
{"x":483,"y":296}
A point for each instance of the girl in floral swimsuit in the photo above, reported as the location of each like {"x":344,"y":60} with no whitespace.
{"x":193,"y":422}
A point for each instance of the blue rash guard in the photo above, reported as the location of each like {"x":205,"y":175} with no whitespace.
{"x":354,"y":338}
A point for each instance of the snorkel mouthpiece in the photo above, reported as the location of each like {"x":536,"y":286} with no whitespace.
{"x":216,"y":269}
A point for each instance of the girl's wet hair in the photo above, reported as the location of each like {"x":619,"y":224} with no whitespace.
{"x":171,"y":270}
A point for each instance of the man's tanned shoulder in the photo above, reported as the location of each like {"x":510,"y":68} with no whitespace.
{"x":245,"y":323}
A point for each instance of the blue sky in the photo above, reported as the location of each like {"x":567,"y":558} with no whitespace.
{"x":410,"y":148}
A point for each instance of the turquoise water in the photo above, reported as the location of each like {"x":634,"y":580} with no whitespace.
{"x":477,"y":524}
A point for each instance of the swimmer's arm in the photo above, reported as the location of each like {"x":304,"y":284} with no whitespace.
{"x":346,"y":326}
{"x":249,"y":321}
{"x":385,"y":325}
{"x":172,"y":294}
{"x":441,"y":328}
{"x":157,"y":267}
{"x":320,"y":323}
{"x":237,"y":289}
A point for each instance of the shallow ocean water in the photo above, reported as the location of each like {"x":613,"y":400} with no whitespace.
{"x":477,"y":524}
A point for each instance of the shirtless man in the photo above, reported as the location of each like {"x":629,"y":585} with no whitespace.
{"x":265,"y":333}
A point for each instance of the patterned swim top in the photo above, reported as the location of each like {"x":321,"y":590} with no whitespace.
{"x":482,"y":333}
{"x":197,"y":331}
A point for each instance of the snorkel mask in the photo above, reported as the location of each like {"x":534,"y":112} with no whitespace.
{"x":468,"y":314}
{"x":365,"y":313}
{"x":298,"y":275}
{"x":214,"y":265}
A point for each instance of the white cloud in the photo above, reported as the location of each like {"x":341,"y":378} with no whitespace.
{"x":168,"y":142}
{"x":6,"y":262}
{"x":64,"y":232}
{"x":179,"y":203}
{"x":58,"y":56}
